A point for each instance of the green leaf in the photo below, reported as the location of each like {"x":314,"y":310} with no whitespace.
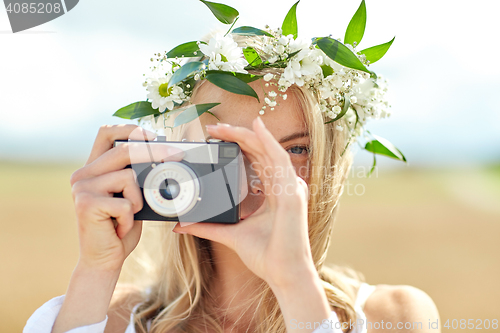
{"x":185,"y":71}
{"x":136,"y":110}
{"x":252,"y":56}
{"x":185,"y":50}
{"x":232,"y":84}
{"x":213,"y":115}
{"x":223,"y":13}
{"x":293,"y":54}
{"x":327,"y":70}
{"x":250,"y":31}
{"x":339,"y":53}
{"x":232,"y":25}
{"x":382,"y":146}
{"x":356,"y":28}
{"x":193,"y":112}
{"x":373,"y":166}
{"x":375,"y":53}
{"x":243,"y":77}
{"x":289,"y":26}
{"x":347,"y":104}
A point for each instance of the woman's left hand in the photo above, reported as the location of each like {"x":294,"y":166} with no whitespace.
{"x":273,"y":242}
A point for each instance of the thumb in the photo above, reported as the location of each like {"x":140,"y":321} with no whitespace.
{"x":217,"y":232}
{"x":131,"y":239}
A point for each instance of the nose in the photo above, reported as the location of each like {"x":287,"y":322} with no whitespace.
{"x":255,"y":192}
{"x":255,"y":186}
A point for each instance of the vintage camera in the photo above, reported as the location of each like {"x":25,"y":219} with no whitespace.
{"x":203,"y":187}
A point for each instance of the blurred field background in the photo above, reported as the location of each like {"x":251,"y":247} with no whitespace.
{"x":434,"y":225}
{"x":436,"y":229}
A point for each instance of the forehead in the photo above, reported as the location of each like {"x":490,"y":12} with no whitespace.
{"x":238,"y":110}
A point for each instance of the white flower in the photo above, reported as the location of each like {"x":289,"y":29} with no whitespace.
{"x":224,"y":54}
{"x":269,"y":102}
{"x":304,"y":66}
{"x":337,"y":109}
{"x":268,"y":77}
{"x":273,"y":94}
{"x":160,"y":95}
{"x":339,"y":128}
{"x":273,"y":59}
{"x":268,"y":48}
{"x":283,"y":40}
{"x":353,"y":99}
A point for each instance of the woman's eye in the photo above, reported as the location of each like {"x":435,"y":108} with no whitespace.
{"x":298,"y":150}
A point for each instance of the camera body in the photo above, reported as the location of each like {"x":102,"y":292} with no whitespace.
{"x":203,"y":187}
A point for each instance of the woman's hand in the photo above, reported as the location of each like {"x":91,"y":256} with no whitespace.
{"x":273,"y":242}
{"x":103,"y":245}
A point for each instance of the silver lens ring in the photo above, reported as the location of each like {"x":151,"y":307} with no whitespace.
{"x":184,"y":201}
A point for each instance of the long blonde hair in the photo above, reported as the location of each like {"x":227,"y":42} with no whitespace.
{"x":180,"y":266}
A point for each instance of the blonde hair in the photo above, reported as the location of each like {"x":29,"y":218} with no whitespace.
{"x":181,"y":267}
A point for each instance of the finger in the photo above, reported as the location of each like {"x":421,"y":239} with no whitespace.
{"x":217,"y":232}
{"x":121,"y":209}
{"x":131,"y":239}
{"x":125,"y":154}
{"x":244,"y":137}
{"x":278,"y":156}
{"x":109,"y":133}
{"x":304,"y":185}
{"x":102,"y":209}
{"x":249,"y":143}
{"x":122,"y":181}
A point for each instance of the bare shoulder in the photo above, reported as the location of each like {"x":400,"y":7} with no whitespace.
{"x":402,"y":309}
{"x":125,"y":297}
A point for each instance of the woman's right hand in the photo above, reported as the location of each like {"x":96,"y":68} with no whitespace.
{"x":102,"y":245}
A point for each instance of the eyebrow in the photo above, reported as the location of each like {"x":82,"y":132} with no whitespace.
{"x":293,"y":136}
{"x":284,"y":139}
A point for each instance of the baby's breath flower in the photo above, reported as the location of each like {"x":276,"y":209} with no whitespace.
{"x":268,"y":77}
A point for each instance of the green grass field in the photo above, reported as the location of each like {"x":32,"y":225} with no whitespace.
{"x":434,"y":229}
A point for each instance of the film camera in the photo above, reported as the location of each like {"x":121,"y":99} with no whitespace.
{"x":203,"y":187}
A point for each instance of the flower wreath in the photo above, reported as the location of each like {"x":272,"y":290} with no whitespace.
{"x":336,"y":72}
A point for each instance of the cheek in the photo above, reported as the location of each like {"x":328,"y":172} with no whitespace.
{"x":302,"y":169}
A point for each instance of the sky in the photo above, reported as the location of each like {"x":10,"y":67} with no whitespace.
{"x":62,"y":80}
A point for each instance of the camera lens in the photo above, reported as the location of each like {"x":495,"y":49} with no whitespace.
{"x":169,"y":189}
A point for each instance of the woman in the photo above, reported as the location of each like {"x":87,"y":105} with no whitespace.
{"x":261,"y":266}
{"x":263,"y":274}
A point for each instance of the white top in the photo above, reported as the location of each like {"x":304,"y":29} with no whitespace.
{"x":42,"y":320}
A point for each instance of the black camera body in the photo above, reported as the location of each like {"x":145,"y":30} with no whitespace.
{"x":203,"y":187}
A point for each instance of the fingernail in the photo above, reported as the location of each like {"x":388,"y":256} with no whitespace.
{"x":223,"y":124}
{"x":179,"y":232}
{"x":211,"y":126}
